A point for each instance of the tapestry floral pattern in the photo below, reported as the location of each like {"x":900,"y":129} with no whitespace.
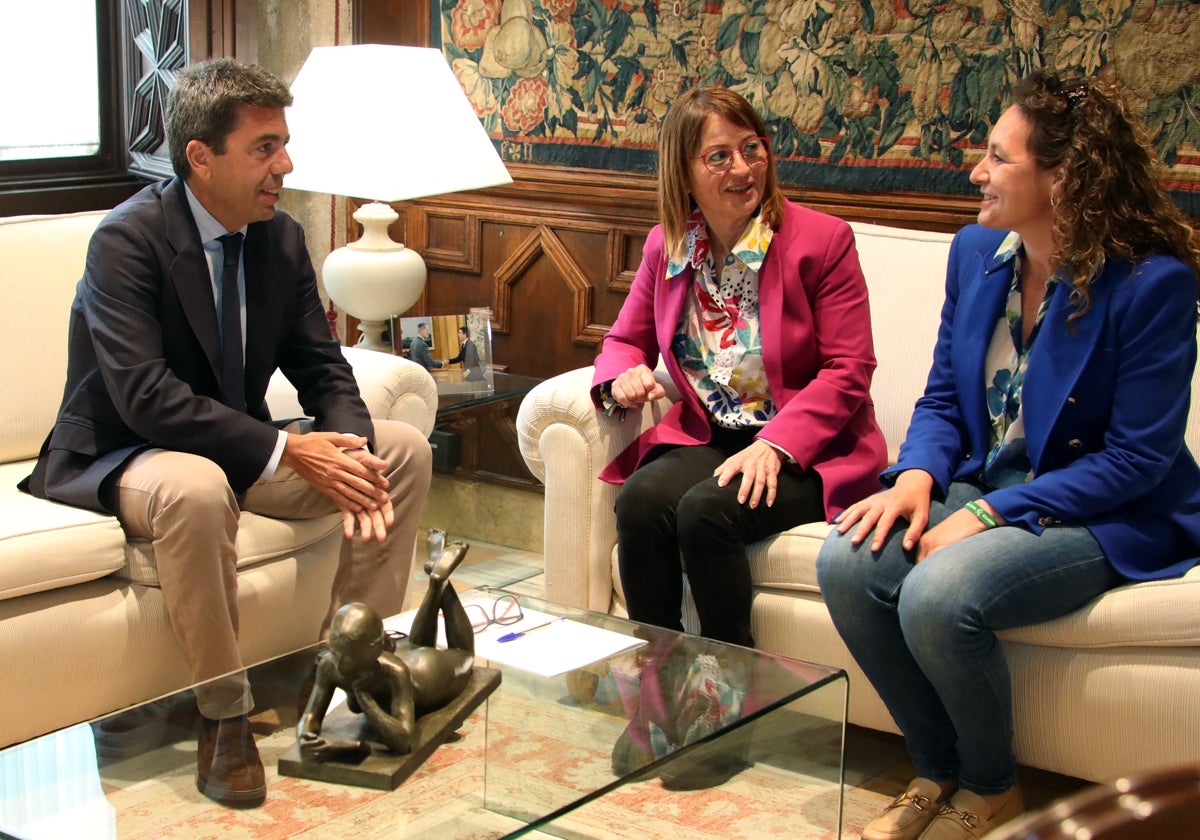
{"x":862,"y":94}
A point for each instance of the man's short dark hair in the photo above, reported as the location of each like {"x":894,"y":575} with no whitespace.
{"x":422,"y":325}
{"x":466,"y":332}
{"x":204,"y":103}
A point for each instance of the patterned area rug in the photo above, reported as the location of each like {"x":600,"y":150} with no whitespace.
{"x":785,"y":793}
{"x":533,"y":757}
{"x":540,"y":751}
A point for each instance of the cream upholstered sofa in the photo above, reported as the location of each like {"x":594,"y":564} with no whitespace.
{"x":83,"y":628}
{"x":1109,"y":690}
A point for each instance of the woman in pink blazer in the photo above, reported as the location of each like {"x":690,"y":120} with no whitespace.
{"x":758,"y":308}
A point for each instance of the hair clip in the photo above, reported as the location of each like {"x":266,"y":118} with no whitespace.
{"x":1074,"y":96}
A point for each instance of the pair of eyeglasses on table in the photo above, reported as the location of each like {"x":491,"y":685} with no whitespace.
{"x":505,"y":611}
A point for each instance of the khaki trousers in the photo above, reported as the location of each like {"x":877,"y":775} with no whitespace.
{"x":185,"y":507}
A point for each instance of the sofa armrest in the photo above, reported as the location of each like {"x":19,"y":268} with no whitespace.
{"x":566,"y":442}
{"x":393,"y":388}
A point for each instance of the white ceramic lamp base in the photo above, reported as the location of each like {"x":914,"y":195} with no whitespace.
{"x":375,"y":277}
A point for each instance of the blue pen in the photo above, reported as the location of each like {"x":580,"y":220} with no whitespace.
{"x":516,"y":634}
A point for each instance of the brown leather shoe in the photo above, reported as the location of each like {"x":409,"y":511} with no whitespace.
{"x":228,"y":768}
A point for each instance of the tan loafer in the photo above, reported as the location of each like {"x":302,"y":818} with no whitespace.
{"x":908,"y":815}
{"x":962,"y":817}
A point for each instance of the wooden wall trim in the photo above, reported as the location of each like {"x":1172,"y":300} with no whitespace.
{"x":602,"y":194}
{"x":214,"y":27}
{"x":543,"y":242}
{"x":465,"y":255}
{"x":404,"y":22}
{"x":918,"y":211}
{"x":555,"y":252}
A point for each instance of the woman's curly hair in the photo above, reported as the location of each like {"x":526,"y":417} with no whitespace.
{"x":1109,"y":202}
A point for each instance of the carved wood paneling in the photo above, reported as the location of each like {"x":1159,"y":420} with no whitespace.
{"x":159,"y":38}
{"x":489,"y":448}
{"x":156,"y":48}
{"x":625,"y":250}
{"x":555,"y":252}
{"x":403,"y":22}
{"x":451,"y":240}
{"x":542,"y":242}
{"x":222,"y":28}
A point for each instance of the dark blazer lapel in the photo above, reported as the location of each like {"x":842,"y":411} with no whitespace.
{"x":189,"y":274}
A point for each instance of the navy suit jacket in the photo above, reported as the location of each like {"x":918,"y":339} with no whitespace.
{"x":469,"y":356}
{"x":1105,"y":404}
{"x":144,"y":362}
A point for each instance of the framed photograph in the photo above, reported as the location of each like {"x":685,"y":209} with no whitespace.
{"x":461,"y":343}
{"x":406,"y":329}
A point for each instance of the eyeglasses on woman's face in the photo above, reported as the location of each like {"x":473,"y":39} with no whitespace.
{"x":754,"y":151}
{"x":505,"y":610}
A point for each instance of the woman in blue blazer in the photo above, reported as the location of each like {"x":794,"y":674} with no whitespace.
{"x":1045,"y":463}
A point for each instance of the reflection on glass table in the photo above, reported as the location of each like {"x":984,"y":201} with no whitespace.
{"x":650,"y":725}
{"x":629,"y":740}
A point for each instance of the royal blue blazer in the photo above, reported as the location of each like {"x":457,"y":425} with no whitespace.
{"x":1105,"y":404}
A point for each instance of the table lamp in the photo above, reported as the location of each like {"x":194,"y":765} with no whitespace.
{"x":385,"y":123}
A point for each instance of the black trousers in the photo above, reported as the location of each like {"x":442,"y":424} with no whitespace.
{"x":672,"y":517}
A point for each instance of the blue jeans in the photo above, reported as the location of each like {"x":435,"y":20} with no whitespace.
{"x":925,"y":634}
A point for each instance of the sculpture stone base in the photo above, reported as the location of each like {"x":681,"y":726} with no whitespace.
{"x":382,"y":769}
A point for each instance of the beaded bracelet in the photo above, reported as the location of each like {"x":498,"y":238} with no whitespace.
{"x":982,"y":514}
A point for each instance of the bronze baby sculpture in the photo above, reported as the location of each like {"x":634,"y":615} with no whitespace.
{"x":396,"y":685}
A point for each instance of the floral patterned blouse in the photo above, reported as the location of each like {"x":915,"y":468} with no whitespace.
{"x":1007,"y":461}
{"x":717,"y":342}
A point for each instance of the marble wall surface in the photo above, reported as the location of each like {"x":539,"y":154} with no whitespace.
{"x":287,"y":30}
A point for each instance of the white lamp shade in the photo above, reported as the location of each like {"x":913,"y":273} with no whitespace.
{"x":387,"y":123}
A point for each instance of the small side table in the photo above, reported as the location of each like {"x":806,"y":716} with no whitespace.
{"x":482,"y":428}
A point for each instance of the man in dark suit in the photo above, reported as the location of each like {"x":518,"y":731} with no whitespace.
{"x":176,"y":328}
{"x":418,"y":351}
{"x":469,"y":356}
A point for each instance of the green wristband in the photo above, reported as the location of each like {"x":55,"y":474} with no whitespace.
{"x":982,"y":514}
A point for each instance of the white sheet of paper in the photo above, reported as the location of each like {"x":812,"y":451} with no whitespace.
{"x":562,"y":646}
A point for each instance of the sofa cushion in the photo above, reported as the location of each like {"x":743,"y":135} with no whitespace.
{"x":1160,"y":613}
{"x":1163,"y":613}
{"x":41,"y":260}
{"x":789,"y":560}
{"x":259,"y":538}
{"x":392,"y":387}
{"x":45,"y":545}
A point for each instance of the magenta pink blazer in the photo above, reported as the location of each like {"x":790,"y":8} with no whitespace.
{"x":817,"y":353}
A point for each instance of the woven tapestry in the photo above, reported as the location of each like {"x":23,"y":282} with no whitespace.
{"x":859,"y":95}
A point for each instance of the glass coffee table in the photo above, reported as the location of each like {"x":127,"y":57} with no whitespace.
{"x":679,"y":735}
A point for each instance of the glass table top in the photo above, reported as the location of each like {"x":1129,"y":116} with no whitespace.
{"x":453,"y":397}
{"x":628,"y":740}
